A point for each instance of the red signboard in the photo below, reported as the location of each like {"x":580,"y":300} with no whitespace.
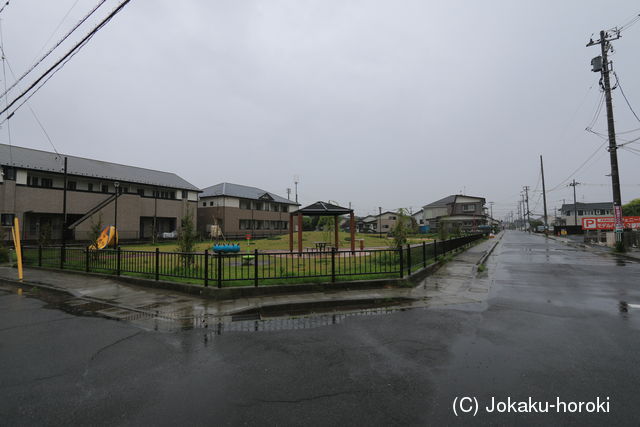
{"x":609,"y":223}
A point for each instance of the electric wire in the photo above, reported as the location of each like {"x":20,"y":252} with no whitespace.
{"x":579,"y":168}
{"x":35,"y":116}
{"x":64,"y":18}
{"x":625,"y":97}
{"x":3,"y":6}
{"x":62,"y":61}
{"x":4,"y":73}
{"x":46,"y":54}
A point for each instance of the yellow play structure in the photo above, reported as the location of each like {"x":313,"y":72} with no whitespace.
{"x":108,"y":238}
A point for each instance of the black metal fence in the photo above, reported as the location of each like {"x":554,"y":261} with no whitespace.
{"x":221,"y":269}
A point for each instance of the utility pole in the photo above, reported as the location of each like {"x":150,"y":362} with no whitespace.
{"x":520,"y":215}
{"x":601,"y":64}
{"x":526,"y":191}
{"x":288,"y":193}
{"x":544,"y":199}
{"x":491,"y":208}
{"x":380,"y":221}
{"x":64,"y":211}
{"x":575,"y":206}
{"x":296,"y":179}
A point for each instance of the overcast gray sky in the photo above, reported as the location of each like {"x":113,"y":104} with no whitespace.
{"x":377,"y":103}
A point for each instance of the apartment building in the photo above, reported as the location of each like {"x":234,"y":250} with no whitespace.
{"x":32,"y":188}
{"x":237,"y":210}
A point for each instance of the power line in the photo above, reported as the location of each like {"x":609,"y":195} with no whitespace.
{"x":579,"y":167}
{"x":43,"y":57}
{"x":35,"y":116}
{"x":62,"y":61}
{"x":625,"y":97}
{"x":3,"y":6}
{"x":57,"y":28}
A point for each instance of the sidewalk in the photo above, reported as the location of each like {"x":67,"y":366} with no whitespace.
{"x":451,"y":284}
{"x":633,"y":254}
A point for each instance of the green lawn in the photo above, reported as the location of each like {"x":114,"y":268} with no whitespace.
{"x":282,"y":242}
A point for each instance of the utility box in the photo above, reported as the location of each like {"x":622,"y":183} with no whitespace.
{"x":596,"y":64}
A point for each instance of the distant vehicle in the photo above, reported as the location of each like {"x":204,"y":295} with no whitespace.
{"x":169,"y":235}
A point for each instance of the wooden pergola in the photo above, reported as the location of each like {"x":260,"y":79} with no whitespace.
{"x":322,"y":209}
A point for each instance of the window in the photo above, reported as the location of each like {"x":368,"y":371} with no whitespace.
{"x":468,"y":207}
{"x":8,"y":173}
{"x":32,"y":180}
{"x":141,"y":191}
{"x":124,"y":190}
{"x":392,"y":218}
{"x":46,"y":182}
{"x":90,"y":186}
{"x":211,"y":203}
{"x":172,"y":195}
{"x":568,"y":213}
{"x":105,"y":188}
{"x":71,"y":185}
{"x":204,"y":204}
{"x":245,"y":204}
{"x":185,"y":194}
{"x":6,"y":220}
{"x":245,"y":224}
{"x":580,"y":213}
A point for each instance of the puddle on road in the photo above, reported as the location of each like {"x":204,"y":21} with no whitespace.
{"x":271,"y":318}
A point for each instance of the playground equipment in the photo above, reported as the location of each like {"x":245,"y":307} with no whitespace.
{"x":108,"y":238}
{"x":226,"y":248}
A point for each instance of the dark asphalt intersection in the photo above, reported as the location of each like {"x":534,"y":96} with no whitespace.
{"x":559,"y":324}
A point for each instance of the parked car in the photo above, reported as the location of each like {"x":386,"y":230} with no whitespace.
{"x":169,"y":235}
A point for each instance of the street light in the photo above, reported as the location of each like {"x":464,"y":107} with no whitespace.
{"x":115,"y":216}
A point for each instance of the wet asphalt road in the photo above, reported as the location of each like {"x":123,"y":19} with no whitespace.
{"x":559,"y":322}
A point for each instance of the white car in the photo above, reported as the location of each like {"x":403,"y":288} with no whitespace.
{"x":169,"y":235}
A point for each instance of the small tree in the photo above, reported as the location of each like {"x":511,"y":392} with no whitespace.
{"x":326,"y":224}
{"x":187,"y":235}
{"x":443,"y":231}
{"x":4,"y":251}
{"x":95,"y":230}
{"x":402,"y":229}
{"x":44,"y":238}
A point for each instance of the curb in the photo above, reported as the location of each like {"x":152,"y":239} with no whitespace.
{"x":484,"y":257}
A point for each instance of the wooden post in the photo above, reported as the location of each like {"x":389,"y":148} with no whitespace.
{"x":335,"y":232}
{"x":290,"y":232}
{"x":352,"y":229}
{"x":299,"y":232}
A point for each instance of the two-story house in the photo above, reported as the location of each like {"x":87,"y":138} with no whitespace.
{"x":569,"y":211}
{"x":457,"y":211}
{"x":237,"y":210}
{"x":32,"y":188}
{"x":381,"y":223}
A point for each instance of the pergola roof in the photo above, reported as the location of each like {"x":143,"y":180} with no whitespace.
{"x":324,"y":209}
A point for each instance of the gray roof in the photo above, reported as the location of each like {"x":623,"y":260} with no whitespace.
{"x":596,"y":205}
{"x":448,"y":200}
{"x":442,"y":202}
{"x":28,"y":158}
{"x":241,"y":191}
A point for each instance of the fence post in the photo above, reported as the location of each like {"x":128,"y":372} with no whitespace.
{"x":424,"y":253}
{"x":333,"y":264}
{"x":118,"y":261}
{"x":408,"y":259}
{"x":39,"y":255}
{"x":62,"y":247}
{"x":219,"y":255}
{"x":206,"y":268}
{"x":435,"y":249}
{"x":400,"y":251}
{"x":86,"y":259}
{"x":157,"y":264}
{"x":255,"y":268}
